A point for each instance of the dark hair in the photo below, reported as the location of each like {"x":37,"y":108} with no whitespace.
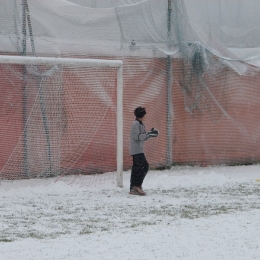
{"x":139,"y":112}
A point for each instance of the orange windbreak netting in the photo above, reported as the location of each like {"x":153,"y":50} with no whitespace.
{"x":216,"y":121}
{"x":57,"y":121}
{"x":193,"y":64}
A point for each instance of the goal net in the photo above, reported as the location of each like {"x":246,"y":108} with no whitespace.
{"x":60,"y":117}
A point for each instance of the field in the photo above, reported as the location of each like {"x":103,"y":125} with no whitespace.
{"x":188,"y":213}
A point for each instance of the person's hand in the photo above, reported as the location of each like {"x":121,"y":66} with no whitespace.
{"x":153,"y":132}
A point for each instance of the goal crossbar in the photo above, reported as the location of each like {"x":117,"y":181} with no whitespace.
{"x":76,"y":62}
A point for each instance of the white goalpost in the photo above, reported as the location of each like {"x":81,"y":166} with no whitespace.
{"x":78,"y":63}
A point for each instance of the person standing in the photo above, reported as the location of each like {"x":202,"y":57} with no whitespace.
{"x":140,"y":166}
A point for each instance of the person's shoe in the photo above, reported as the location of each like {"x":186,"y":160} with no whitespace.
{"x":140,"y":190}
{"x":134,"y":191}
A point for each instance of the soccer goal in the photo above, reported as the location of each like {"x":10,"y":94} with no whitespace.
{"x":60,"y":116}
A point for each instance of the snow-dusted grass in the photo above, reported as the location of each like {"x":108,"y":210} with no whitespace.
{"x":189,"y":213}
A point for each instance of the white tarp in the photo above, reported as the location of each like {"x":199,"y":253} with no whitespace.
{"x":228,"y":29}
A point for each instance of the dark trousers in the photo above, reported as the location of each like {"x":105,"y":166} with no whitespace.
{"x":139,"y":169}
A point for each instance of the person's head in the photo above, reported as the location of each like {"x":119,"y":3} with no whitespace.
{"x":140,"y":112}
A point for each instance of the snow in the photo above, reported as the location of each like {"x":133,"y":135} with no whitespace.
{"x":188,"y":213}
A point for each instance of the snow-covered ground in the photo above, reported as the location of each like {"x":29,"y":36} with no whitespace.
{"x":189,"y":213}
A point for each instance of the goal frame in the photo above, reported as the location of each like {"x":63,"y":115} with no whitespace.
{"x":76,"y":62}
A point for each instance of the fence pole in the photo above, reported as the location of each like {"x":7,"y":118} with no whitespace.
{"x":25,"y":134}
{"x":169,"y":91}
